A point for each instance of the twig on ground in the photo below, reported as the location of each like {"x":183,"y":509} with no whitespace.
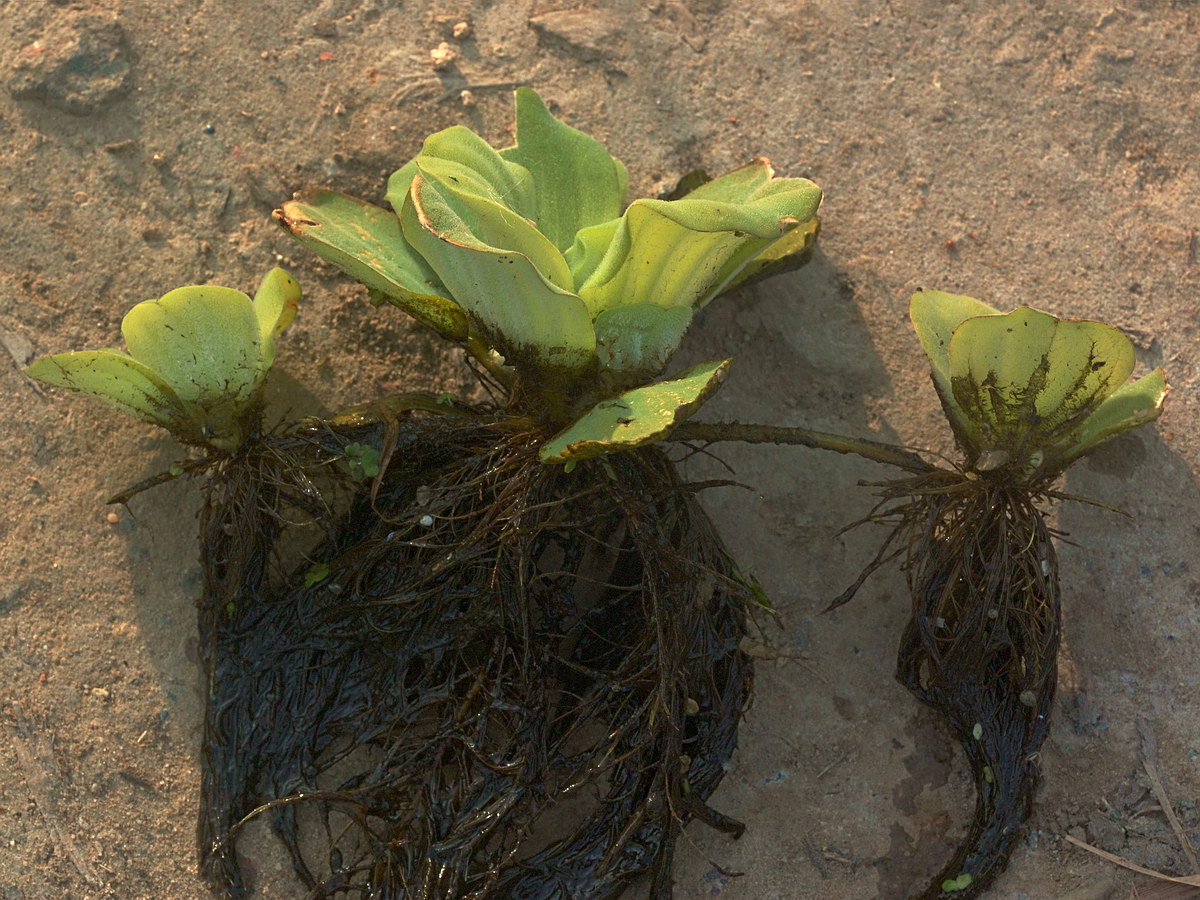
{"x":1191,"y":880}
{"x":1150,"y":764}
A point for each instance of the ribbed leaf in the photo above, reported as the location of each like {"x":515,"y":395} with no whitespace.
{"x":935,"y":315}
{"x":481,"y":170}
{"x":202,"y":340}
{"x":492,"y":223}
{"x":366,"y":242}
{"x":637,"y":417}
{"x":679,"y":253}
{"x":1027,"y":381}
{"x":736,"y":186}
{"x":528,"y":319}
{"x":588,"y":251}
{"x":638,"y":340}
{"x":116,"y":379}
{"x":756,"y":181}
{"x":275,"y":303}
{"x":787,"y":254}
{"x":576,"y":182}
{"x":1129,"y":406}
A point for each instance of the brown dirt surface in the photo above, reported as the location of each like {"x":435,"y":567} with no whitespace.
{"x":1029,"y":152}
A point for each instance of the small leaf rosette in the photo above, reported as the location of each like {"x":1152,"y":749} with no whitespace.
{"x":198,"y":358}
{"x":1028,"y":393}
{"x":530,"y":254}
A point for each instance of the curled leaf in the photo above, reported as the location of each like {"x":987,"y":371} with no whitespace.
{"x":365,"y":241}
{"x":684,"y":252}
{"x":576,"y":182}
{"x":526,"y":317}
{"x":637,"y":417}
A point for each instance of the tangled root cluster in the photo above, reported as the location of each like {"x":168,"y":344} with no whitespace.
{"x":513,"y":681}
{"x":980,"y":646}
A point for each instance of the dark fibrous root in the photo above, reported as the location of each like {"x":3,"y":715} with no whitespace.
{"x":513,"y":681}
{"x":980,"y":647}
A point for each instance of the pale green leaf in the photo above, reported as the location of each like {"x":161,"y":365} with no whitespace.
{"x":524,"y":316}
{"x":316,"y":573}
{"x":681,"y":252}
{"x":638,"y":340}
{"x":935,"y":315}
{"x":366,"y":242}
{"x":492,"y":224}
{"x":202,"y":340}
{"x":588,"y":251}
{"x":1131,"y":405}
{"x":736,"y":186}
{"x":116,"y":379}
{"x":198,"y":357}
{"x":275,"y":304}
{"x":1027,"y":381}
{"x":398,"y":185}
{"x":755,"y":181}
{"x":787,"y":254}
{"x":459,"y":153}
{"x":577,"y":183}
{"x":961,"y":883}
{"x":637,"y":417}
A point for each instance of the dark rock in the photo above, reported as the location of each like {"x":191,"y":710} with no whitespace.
{"x":79,"y":66}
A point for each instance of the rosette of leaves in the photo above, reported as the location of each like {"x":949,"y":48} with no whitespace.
{"x":488,"y":631}
{"x":528,"y":257}
{"x":197,"y":362}
{"x":1026,"y":394}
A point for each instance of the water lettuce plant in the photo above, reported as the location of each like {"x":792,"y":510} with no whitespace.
{"x":198,"y":358}
{"x":1026,"y":394}
{"x":529,"y":258}
{"x":554,"y":589}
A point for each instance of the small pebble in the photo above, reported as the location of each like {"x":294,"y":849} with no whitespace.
{"x":210,"y":129}
{"x":468,"y":98}
{"x":427,"y":521}
{"x":461,"y":31}
{"x":443,"y":56}
{"x":113,"y":518}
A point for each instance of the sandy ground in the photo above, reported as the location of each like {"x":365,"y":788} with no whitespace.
{"x":1033,"y":152}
